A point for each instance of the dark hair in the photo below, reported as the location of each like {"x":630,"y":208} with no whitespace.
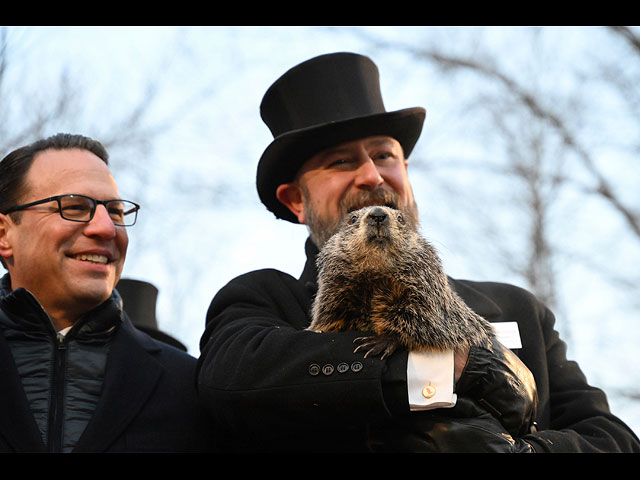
{"x":14,"y":167}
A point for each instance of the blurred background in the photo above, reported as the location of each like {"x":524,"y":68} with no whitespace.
{"x":527,"y":170}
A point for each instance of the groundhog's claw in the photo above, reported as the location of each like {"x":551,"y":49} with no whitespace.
{"x":375,"y":345}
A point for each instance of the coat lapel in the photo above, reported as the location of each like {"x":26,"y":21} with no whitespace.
{"x":17,"y":424}
{"x":476,"y":300}
{"x":131,"y":376}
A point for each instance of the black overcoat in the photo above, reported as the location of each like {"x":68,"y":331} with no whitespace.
{"x":275,"y":386}
{"x":149,"y":402}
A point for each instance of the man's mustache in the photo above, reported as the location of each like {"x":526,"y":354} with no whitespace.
{"x":367,"y":199}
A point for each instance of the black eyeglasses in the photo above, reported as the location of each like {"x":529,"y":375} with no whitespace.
{"x":80,"y":208}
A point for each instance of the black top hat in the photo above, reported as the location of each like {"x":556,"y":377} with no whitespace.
{"x":320,"y":103}
{"x":139,"y":301}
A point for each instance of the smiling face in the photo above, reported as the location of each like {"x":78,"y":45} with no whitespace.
{"x":349,"y":176}
{"x":70,"y":267}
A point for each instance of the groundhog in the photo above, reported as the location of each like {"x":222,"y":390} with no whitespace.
{"x":378,"y":273}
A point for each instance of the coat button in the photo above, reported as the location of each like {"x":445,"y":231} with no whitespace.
{"x":428,"y":391}
{"x":356,"y":366}
{"x":314,"y":369}
{"x":342,"y":367}
{"x":327,"y":369}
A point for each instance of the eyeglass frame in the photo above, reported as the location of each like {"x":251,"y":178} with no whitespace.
{"x":91,"y":214}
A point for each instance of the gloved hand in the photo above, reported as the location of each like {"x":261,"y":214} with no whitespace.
{"x":466,"y":428}
{"x":496,"y":379}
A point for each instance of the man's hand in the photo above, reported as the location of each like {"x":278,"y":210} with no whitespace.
{"x":469,"y":429}
{"x":466,"y":428}
{"x":496,"y":379}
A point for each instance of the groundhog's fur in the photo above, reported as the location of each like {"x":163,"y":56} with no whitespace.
{"x":377,"y":273}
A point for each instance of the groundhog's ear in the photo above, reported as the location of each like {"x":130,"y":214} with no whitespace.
{"x":291,"y":196}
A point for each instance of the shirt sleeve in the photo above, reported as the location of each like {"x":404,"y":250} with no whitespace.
{"x":430,"y":379}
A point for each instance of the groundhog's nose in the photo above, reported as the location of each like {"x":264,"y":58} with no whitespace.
{"x":378,"y":216}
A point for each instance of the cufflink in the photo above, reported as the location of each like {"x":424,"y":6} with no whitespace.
{"x":428,"y":391}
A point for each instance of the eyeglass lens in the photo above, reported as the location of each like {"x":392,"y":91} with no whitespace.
{"x":78,"y":208}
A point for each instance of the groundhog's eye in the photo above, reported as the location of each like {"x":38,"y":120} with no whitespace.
{"x":354,"y":219}
{"x":400,"y":219}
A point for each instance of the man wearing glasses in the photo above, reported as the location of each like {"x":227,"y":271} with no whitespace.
{"x":75,"y":374}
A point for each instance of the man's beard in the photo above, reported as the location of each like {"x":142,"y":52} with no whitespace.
{"x":322,"y":228}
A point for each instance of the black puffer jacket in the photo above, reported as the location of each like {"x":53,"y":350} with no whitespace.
{"x":62,"y":375}
{"x":107,"y":387}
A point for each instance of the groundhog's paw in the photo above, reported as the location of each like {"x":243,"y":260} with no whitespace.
{"x":375,"y":345}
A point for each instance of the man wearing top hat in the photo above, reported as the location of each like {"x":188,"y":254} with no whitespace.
{"x":276,"y":387}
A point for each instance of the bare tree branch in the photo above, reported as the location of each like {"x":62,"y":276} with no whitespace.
{"x":629,"y":35}
{"x":602,"y":187}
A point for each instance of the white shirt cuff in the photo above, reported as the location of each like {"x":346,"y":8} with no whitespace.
{"x":430,"y":379}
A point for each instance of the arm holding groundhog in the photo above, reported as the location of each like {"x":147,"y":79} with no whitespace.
{"x":259,"y":369}
{"x":495,"y":408}
{"x":276,"y":386}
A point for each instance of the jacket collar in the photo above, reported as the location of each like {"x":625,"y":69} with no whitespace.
{"x":25,"y":316}
{"x":476,"y":300}
{"x":309,"y":277}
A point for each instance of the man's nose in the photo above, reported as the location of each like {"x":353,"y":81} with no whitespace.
{"x":367,"y":175}
{"x":101,"y":224}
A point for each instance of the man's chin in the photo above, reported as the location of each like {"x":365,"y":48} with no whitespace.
{"x":93,"y":293}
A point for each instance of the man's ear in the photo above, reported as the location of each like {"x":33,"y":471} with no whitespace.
{"x":5,"y":245}
{"x":291,"y":196}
